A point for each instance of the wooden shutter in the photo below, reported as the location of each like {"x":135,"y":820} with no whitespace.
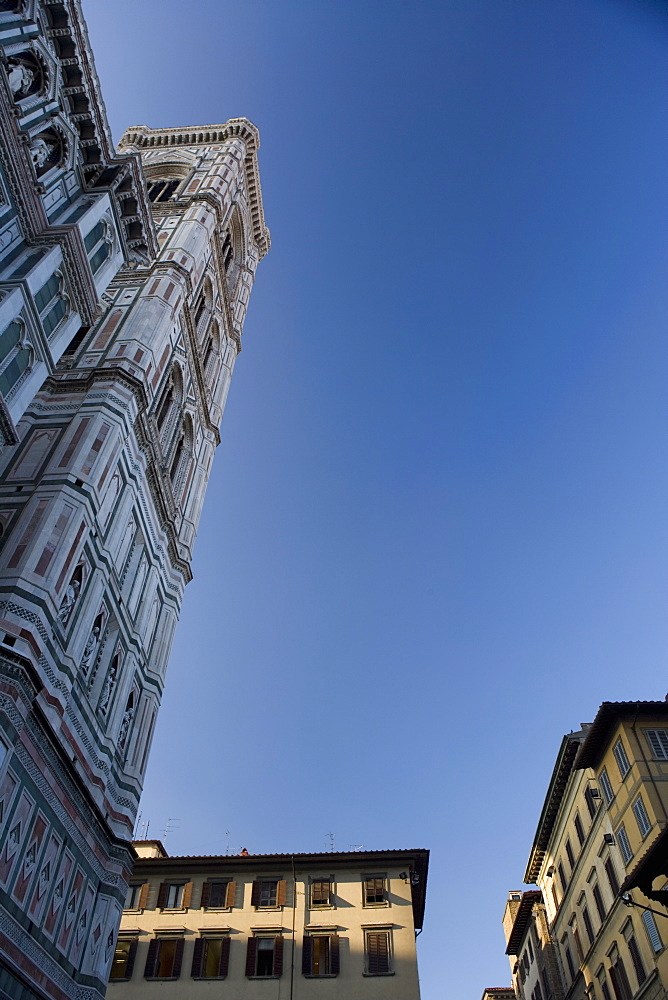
{"x":224,"y":955}
{"x":143,"y":895}
{"x":378,"y":952}
{"x":187,"y":897}
{"x":636,"y":958}
{"x":307,"y":952}
{"x":251,"y":954}
{"x":334,"y":955}
{"x":130,"y":964}
{"x":278,"y":955}
{"x":178,"y":958}
{"x":152,"y":958}
{"x":230,"y":895}
{"x":255,"y":892}
{"x":163,"y":892}
{"x":198,"y":954}
{"x":281,"y":892}
{"x":206,"y":893}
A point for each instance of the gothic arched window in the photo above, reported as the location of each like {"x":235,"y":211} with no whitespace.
{"x":169,"y":406}
{"x":98,"y":243}
{"x":182,"y":456}
{"x":211,"y":356}
{"x":232,"y":252}
{"x":16,"y":356}
{"x":51,"y":302}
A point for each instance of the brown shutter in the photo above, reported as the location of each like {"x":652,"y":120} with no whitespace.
{"x":224,"y":955}
{"x":162,"y":895}
{"x":198,"y":954}
{"x":255,"y":893}
{"x":334,"y":955}
{"x":278,"y":955}
{"x":130,"y":964}
{"x":378,"y":952}
{"x":143,"y":895}
{"x":187,"y":895}
{"x":206,"y":893}
{"x":230,"y":894}
{"x":281,"y":892}
{"x":178,"y":958}
{"x":251,"y":952}
{"x":307,"y":951}
{"x":152,"y":958}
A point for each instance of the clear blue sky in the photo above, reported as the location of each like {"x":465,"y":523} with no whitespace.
{"x":435,"y":534}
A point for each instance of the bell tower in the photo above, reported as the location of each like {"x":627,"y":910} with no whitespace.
{"x":100,"y":501}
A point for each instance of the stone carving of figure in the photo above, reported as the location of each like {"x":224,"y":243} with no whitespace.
{"x":108,"y":686}
{"x":20,"y":79}
{"x":68,"y":601}
{"x":40,"y":151}
{"x":128,"y":715}
{"x":89,"y":648}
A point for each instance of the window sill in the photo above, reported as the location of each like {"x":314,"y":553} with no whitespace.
{"x":209,"y":979}
{"x":161,"y":979}
{"x":217,"y":909}
{"x":326,"y":975}
{"x":375,"y":906}
{"x":263,"y":977}
{"x":375,"y":975}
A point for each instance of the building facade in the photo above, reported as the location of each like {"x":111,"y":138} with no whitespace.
{"x":604,"y":817}
{"x":124,"y":282}
{"x":333,"y":925}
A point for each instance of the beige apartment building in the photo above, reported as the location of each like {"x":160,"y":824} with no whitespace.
{"x":598,"y":925}
{"x":334,"y":925}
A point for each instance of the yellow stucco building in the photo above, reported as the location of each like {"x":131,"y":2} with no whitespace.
{"x":332,"y":925}
{"x":600,"y":838}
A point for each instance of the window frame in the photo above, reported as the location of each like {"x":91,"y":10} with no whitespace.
{"x":624,"y":843}
{"x":200,"y":954}
{"x":253,"y":951}
{"x":658,"y":751}
{"x":370,"y":958}
{"x":642,"y":817}
{"x":154,"y":957}
{"x":606,"y":786}
{"x":129,"y":963}
{"x":330,"y":894}
{"x":366,"y":893}
{"x":622,"y":759}
{"x":333,"y":954}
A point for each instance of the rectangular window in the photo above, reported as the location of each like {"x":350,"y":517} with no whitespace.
{"x":377,"y":953}
{"x":264,"y":957}
{"x":132,"y":897}
{"x":658,"y":742}
{"x":220,"y":895}
{"x":589,"y":927}
{"x":624,"y":844}
{"x":211,"y":956}
{"x":124,"y":960}
{"x":652,"y":931}
{"x":320,"y":955}
{"x":598,"y":900}
{"x":636,"y":958}
{"x":321,"y":893}
{"x":164,"y":958}
{"x":620,"y":980}
{"x":269,"y":893}
{"x":621,"y":758}
{"x":642,"y":819}
{"x":579,"y":829}
{"x":606,"y":787}
{"x":373,"y":892}
{"x":569,"y":961}
{"x":570,"y":855}
{"x":562,"y":877}
{"x":603,"y":983}
{"x":174,"y":897}
{"x":612,"y":876}
{"x":591,"y":802}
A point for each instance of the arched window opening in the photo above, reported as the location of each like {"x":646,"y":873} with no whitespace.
{"x":176,"y":461}
{"x":228,"y":252}
{"x":211,"y":353}
{"x":163,"y":190}
{"x":167,"y":399}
